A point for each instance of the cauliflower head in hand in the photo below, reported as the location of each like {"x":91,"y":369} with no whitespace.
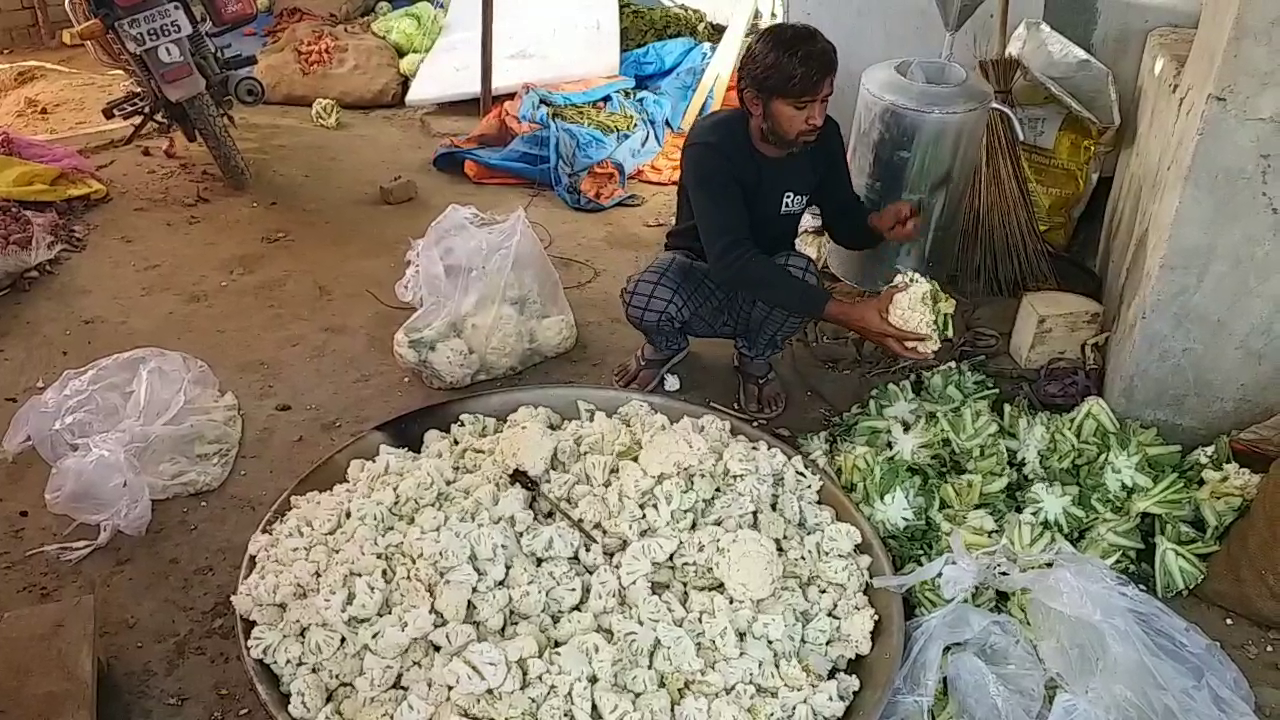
{"x":922,"y":307}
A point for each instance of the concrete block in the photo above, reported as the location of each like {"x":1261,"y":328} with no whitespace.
{"x":17,"y":19}
{"x":1053,"y":324}
{"x":1195,"y":347}
{"x":398,"y":190}
{"x":1125,"y":253}
{"x":49,"y":661}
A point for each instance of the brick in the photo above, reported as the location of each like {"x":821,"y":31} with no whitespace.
{"x":28,"y":3}
{"x":17,"y":19}
{"x":398,"y":190}
{"x":49,"y":661}
{"x":7,"y":5}
{"x":58,"y":14}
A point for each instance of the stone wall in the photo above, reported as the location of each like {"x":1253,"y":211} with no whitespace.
{"x":18,"y":27}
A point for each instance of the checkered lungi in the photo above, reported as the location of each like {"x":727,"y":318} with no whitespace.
{"x":675,"y":299}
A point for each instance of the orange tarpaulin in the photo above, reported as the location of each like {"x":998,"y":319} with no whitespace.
{"x":664,"y":169}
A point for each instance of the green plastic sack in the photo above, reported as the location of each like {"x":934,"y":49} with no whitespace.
{"x":413,"y":29}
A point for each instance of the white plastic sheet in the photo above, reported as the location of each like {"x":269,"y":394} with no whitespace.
{"x":142,"y":425}
{"x":1111,"y":650}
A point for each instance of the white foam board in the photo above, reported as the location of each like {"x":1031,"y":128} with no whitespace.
{"x":533,"y":42}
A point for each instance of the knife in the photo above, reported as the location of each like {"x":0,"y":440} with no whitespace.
{"x":524,"y":480}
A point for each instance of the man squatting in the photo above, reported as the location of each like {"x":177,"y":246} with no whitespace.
{"x":729,"y":268}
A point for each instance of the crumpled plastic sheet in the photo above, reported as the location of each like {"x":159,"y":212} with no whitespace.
{"x":1113,"y":651}
{"x":142,"y":425}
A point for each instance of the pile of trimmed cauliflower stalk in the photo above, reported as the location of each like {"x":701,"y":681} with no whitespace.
{"x":929,"y":457}
{"x":430,"y":586}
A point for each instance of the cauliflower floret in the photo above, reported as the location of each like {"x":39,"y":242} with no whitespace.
{"x":748,"y":565}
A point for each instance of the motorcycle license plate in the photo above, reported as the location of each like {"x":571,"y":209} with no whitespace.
{"x":154,"y":27}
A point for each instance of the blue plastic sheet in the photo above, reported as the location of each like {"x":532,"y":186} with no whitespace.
{"x":657,"y":84}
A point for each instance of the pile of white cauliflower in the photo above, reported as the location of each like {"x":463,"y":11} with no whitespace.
{"x":488,"y":337}
{"x":429,"y":586}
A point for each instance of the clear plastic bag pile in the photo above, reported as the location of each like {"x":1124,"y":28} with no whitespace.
{"x":490,"y":303}
{"x":142,"y":425}
{"x":1088,"y":645}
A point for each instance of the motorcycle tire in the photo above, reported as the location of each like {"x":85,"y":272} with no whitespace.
{"x":211,"y":127}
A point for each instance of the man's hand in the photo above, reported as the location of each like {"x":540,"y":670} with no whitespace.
{"x":898,"y":222}
{"x":869,"y":318}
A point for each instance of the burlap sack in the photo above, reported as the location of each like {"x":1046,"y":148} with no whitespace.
{"x":1244,"y":576}
{"x":365,"y":72}
{"x":337,"y":10}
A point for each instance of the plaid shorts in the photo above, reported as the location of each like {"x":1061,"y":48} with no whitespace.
{"x":675,"y":299}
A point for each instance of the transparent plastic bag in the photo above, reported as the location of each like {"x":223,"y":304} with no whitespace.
{"x":142,"y":425}
{"x":1068,"y":707}
{"x":1093,"y":626}
{"x":490,"y":303}
{"x":1113,"y":651}
{"x":990,"y":668}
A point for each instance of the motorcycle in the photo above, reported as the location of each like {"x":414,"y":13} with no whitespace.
{"x":181,"y":76}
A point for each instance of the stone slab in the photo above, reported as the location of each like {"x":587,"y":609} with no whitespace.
{"x":48,"y":662}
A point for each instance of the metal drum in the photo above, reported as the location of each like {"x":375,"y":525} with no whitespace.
{"x":877,"y":670}
{"x":916,"y":136}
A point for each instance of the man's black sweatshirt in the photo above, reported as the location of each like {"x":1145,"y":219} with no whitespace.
{"x":737,"y":207}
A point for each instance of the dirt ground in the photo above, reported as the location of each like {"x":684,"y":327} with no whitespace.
{"x":54,"y":95}
{"x":282,"y":292}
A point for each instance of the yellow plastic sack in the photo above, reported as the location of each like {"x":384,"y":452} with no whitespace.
{"x":1069,"y":110}
{"x":1059,"y":155}
{"x":32,"y":182}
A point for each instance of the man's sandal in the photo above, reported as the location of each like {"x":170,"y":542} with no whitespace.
{"x":759,"y":381}
{"x":659,"y":366}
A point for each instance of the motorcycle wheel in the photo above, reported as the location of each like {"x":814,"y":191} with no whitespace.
{"x":212,"y":129}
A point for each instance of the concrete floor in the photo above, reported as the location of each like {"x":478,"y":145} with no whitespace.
{"x":275,"y":290}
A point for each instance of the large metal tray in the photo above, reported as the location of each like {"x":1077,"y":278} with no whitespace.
{"x":876,"y":671}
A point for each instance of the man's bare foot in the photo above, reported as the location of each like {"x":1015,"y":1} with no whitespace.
{"x":760,"y":392}
{"x":645,"y":369}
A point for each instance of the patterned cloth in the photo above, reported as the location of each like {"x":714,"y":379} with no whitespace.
{"x":675,"y":299}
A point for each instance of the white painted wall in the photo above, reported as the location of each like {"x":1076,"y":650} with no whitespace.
{"x":1121,"y":34}
{"x":868,"y":31}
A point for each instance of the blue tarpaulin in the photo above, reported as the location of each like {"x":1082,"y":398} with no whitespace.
{"x":585,"y":166}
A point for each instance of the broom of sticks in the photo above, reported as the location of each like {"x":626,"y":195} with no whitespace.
{"x":1000,"y":251}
